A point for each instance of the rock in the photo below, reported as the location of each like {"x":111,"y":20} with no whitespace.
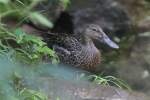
{"x":144,"y":24}
{"x":136,"y":8}
{"x":136,"y":68}
{"x":107,"y":13}
{"x":77,"y":90}
{"x":139,"y":13}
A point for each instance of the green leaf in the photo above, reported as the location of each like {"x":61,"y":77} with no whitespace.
{"x":35,"y":39}
{"x":20,"y":2}
{"x":19,"y":35}
{"x":46,"y":50}
{"x":29,"y":94}
{"x":19,"y":31}
{"x":65,"y":3}
{"x":37,"y":17}
{"x":4,"y":1}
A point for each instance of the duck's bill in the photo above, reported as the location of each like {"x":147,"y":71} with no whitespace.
{"x":110,"y":43}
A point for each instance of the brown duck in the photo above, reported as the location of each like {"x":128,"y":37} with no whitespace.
{"x":79,"y":49}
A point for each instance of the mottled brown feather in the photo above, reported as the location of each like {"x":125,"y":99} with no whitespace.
{"x":77,"y":49}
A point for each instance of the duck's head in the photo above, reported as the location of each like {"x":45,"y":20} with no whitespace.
{"x":95,"y":32}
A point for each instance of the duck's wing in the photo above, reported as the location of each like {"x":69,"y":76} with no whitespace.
{"x":54,"y":39}
{"x":61,"y":50}
{"x":62,"y":40}
{"x":62,"y":53}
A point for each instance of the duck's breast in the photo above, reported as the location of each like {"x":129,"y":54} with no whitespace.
{"x":91,"y":57}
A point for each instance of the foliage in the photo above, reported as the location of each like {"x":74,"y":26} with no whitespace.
{"x":17,"y":45}
{"x":37,"y":17}
{"x":14,"y":42}
{"x":11,"y":87}
{"x":65,"y":3}
{"x":28,"y":94}
{"x":24,"y":47}
{"x":109,"y":81}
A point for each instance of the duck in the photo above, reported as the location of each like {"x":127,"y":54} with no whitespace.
{"x":78,"y":49}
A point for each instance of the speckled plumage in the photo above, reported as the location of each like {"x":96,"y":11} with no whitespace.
{"x":75,"y":49}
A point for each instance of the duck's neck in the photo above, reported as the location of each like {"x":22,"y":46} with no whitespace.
{"x":88,"y":41}
{"x":88,"y":46}
{"x":85,"y":40}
